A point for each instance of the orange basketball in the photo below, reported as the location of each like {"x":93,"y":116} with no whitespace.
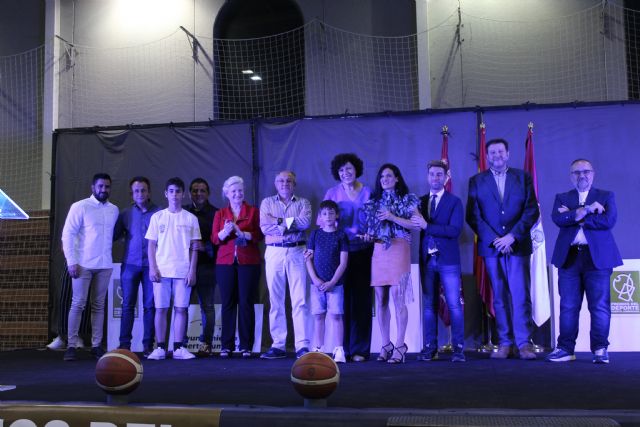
{"x":315,"y":375}
{"x":118,"y":372}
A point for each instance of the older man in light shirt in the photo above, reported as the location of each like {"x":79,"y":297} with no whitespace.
{"x":87,"y":239}
{"x":284,"y":219}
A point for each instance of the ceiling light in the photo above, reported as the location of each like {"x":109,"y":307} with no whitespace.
{"x":247,"y":71}
{"x":256,"y":78}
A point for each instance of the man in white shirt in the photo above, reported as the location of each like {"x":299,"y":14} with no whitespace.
{"x":87,"y":239}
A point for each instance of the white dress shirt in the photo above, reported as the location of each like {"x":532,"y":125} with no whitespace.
{"x":87,"y":236}
{"x":580,"y":238}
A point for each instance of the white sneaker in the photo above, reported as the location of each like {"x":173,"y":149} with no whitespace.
{"x":157,"y":354}
{"x":338,"y":355}
{"x":57,"y":344}
{"x":183,"y":354}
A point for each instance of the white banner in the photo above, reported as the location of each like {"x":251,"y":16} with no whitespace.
{"x":114,"y":314}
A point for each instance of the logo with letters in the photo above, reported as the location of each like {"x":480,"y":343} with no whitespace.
{"x":118,"y":300}
{"x":625,"y":297}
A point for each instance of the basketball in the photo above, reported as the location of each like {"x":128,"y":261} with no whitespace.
{"x":118,"y":372}
{"x":315,"y":375}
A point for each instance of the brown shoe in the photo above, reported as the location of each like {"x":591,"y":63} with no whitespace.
{"x":503,"y":352}
{"x":527,"y":353}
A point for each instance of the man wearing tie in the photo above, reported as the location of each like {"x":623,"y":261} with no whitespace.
{"x":501,"y":209}
{"x":440,"y":261}
{"x":585,"y":254}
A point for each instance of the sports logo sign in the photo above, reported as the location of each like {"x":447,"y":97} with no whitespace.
{"x":625,"y":295}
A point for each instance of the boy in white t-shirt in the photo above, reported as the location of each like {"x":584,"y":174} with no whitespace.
{"x":173,"y":236}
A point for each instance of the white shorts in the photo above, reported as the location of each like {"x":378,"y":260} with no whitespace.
{"x":166,"y":288}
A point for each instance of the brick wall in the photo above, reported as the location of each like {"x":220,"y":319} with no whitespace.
{"x":24,"y":281}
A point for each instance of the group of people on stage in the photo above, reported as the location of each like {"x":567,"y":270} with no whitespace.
{"x":362,"y":240}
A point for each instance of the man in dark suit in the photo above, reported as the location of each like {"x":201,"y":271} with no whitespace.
{"x":501,"y":209}
{"x":585,"y":254}
{"x":440,"y":261}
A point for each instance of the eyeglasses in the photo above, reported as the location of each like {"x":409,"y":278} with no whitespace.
{"x":585,"y":172}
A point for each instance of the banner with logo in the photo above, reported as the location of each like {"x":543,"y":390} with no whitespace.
{"x":114,"y":314}
{"x":61,"y":415}
{"x":624,"y":286}
{"x":194,"y":328}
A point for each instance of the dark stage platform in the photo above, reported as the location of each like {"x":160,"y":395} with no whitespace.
{"x":368,"y":391}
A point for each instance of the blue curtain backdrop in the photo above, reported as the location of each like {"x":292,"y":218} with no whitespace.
{"x":605,"y":134}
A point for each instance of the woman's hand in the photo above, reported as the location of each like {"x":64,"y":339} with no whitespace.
{"x":384,"y":214}
{"x":229,"y":227}
{"x":365,"y":237}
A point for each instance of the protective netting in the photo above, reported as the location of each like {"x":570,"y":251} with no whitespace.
{"x":313,"y":70}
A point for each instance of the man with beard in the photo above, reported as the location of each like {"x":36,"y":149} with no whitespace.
{"x":87,"y":239}
{"x":585,"y":254}
{"x":501,"y":209}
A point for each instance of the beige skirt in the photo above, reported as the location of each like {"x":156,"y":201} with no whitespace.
{"x":392,"y":267}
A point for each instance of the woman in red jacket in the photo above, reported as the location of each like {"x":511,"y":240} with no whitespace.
{"x":236,"y":230}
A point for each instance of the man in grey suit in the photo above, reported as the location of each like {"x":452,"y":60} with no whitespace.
{"x":501,"y":209}
{"x":585,"y":254}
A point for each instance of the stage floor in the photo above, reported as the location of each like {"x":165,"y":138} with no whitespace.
{"x":479,"y":384}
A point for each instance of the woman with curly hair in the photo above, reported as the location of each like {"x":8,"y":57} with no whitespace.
{"x":350,"y":194}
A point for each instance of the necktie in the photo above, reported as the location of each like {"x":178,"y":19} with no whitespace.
{"x":432,"y":206}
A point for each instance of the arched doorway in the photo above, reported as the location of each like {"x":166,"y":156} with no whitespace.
{"x":259,"y":60}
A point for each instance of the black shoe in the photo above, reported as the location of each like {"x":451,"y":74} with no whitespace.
{"x":428,"y":353}
{"x":301,"y":352}
{"x":458,"y":354}
{"x":70,"y":355}
{"x":97,"y":352}
{"x":273,"y":353}
{"x":147,"y":351}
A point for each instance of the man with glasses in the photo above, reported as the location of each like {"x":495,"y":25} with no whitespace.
{"x":585,"y":254}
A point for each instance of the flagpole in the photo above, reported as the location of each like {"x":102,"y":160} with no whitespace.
{"x":444,"y":156}
{"x":538,"y":268}
{"x":482,"y":283}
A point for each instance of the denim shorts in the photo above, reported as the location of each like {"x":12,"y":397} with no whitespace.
{"x":168,"y":287}
{"x":331,"y":302}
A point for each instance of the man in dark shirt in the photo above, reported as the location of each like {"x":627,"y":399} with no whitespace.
{"x":206,"y":272}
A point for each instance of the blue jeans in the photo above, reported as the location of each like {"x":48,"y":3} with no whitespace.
{"x":511,"y":284}
{"x":434,"y":275}
{"x":205,"y":287}
{"x":130,"y":277}
{"x":578,"y":276}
